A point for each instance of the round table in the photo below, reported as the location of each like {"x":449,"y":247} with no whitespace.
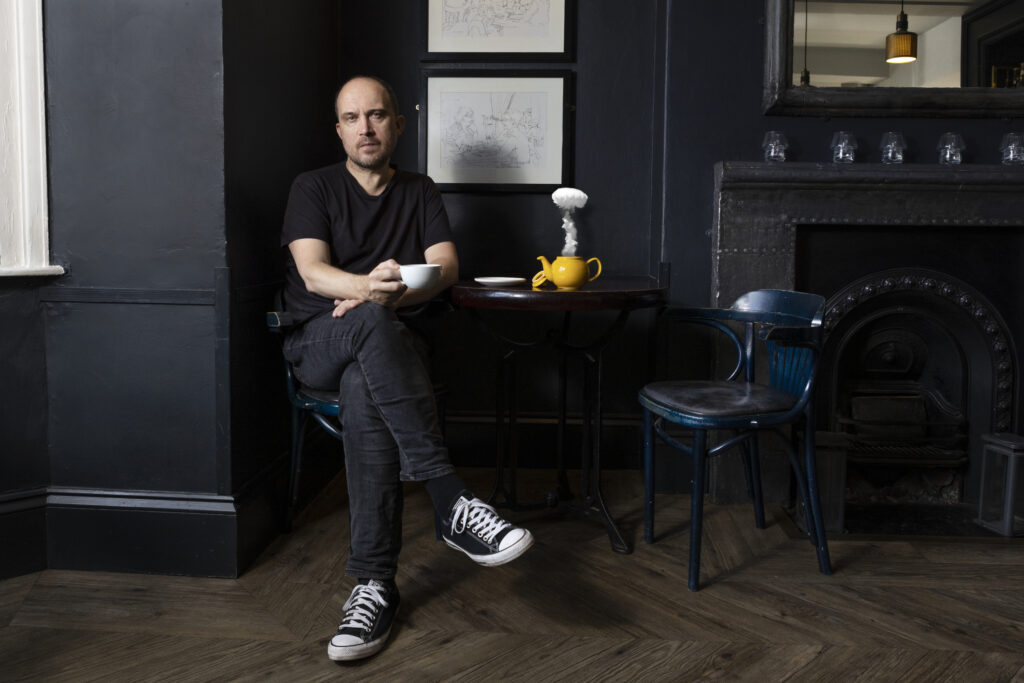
{"x":620,"y":295}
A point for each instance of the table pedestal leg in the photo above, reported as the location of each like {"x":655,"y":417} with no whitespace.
{"x":591,"y":498}
{"x":562,"y":491}
{"x":591,"y":501}
{"x":504,"y":447}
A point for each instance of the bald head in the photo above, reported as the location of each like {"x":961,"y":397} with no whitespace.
{"x":389,"y":92}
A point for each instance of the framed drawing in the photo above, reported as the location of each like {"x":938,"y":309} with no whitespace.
{"x":496,"y":130}
{"x":499,"y":30}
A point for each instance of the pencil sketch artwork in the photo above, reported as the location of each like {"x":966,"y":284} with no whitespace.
{"x":488,"y":18}
{"x":503,"y":130}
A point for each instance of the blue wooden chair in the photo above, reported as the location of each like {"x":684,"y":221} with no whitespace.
{"x":306,"y":403}
{"x":743,"y":405}
{"x":320,"y":405}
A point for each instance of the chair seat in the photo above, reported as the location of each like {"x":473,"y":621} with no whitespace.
{"x":710,"y":399}
{"x":322,"y":395}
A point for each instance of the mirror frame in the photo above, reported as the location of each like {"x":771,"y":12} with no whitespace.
{"x":781,"y":97}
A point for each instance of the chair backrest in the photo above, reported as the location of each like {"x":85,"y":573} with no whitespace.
{"x":790,"y":323}
{"x":791,"y":368}
{"x":279,"y":321}
{"x":802,"y":307}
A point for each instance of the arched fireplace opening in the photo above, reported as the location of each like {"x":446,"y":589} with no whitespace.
{"x":918,"y":365}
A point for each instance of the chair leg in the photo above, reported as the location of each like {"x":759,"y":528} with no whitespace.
{"x":748,"y":478}
{"x":648,"y":477}
{"x":697,"y":485}
{"x":295,"y":466}
{"x":755,"y":480}
{"x":814,"y":499}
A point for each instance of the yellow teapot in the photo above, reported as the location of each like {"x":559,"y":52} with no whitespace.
{"x":567,"y":272}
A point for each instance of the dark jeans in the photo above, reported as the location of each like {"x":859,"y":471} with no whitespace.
{"x":388,"y":416}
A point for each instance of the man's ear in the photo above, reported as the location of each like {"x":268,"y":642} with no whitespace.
{"x":337,"y":129}
{"x":399,"y":123}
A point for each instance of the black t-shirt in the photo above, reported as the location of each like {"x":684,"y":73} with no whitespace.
{"x":329,"y":204}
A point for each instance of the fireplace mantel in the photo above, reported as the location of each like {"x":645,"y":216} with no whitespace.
{"x":759,"y":207}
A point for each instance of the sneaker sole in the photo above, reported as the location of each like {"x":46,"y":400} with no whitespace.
{"x":499,"y":558}
{"x":351,"y":652}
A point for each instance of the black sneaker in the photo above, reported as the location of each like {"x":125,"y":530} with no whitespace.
{"x":476,"y":529}
{"x":364,"y":630}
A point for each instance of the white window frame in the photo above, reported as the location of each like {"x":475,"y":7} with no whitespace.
{"x":24,"y":209}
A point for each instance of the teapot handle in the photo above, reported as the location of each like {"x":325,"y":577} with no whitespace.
{"x":595,"y":275}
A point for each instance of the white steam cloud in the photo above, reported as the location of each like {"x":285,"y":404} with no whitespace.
{"x":568,"y":199}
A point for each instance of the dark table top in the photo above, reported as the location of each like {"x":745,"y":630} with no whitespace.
{"x":602,"y":294}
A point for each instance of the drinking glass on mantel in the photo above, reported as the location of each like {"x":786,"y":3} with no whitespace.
{"x":774,"y":146}
{"x":951,"y":148}
{"x":1012,"y":148}
{"x":892,"y":148}
{"x":843,"y":146}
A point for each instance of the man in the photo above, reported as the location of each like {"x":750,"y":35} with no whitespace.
{"x":347,"y":228}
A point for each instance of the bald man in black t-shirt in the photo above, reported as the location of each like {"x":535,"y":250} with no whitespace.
{"x":347,"y":228}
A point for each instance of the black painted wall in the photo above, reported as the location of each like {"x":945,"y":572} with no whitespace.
{"x":132,"y":415}
{"x":658,"y":103}
{"x":618,"y":71}
{"x":281,"y":71}
{"x":142,"y":397}
{"x":24,"y":466}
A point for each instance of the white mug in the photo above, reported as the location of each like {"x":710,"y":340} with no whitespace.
{"x":420,"y":275}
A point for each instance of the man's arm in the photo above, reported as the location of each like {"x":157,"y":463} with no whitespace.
{"x":383,"y":285}
{"x":442,"y":253}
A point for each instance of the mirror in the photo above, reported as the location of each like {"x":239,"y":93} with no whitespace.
{"x":984,"y":32}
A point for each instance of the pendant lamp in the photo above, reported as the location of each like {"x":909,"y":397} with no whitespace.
{"x":901,"y":47}
{"x":805,"y":75}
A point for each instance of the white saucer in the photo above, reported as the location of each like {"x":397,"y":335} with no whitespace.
{"x":500,"y":281}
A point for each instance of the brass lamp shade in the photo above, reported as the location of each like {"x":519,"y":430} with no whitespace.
{"x":901,"y":47}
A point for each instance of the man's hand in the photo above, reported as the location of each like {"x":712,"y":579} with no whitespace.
{"x":343,"y":306}
{"x":384,"y":284}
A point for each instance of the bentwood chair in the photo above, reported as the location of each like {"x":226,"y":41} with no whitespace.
{"x":743,"y":405}
{"x":320,"y":405}
{"x":306,"y":403}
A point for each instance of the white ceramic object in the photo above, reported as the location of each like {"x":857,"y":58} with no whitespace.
{"x":420,"y":275}
{"x":500,"y":281}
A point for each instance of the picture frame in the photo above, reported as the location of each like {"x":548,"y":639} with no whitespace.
{"x":498,"y":30}
{"x":483,"y":131}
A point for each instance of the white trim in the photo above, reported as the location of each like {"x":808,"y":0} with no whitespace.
{"x":24,"y":211}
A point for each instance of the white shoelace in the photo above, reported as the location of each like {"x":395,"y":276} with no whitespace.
{"x":362,"y":607}
{"x":480,"y":517}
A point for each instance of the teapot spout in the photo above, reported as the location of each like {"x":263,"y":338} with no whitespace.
{"x":546,"y":265}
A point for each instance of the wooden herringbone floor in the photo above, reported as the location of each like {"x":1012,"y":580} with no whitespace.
{"x":569,"y":610}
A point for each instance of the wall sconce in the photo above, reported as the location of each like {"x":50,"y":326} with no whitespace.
{"x":1001,"y":475}
{"x":901,"y":47}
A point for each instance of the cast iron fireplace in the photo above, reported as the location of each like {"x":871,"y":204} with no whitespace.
{"x":922,"y":271}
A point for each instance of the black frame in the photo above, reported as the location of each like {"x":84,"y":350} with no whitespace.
{"x":567,"y":54}
{"x":568,"y":120}
{"x":782,"y":97}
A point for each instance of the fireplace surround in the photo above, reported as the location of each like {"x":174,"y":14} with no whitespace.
{"x":922,"y":270}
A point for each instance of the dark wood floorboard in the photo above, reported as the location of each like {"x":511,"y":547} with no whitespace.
{"x":895,"y":609}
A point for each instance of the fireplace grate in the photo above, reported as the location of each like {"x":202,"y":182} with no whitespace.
{"x":923,"y":455}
